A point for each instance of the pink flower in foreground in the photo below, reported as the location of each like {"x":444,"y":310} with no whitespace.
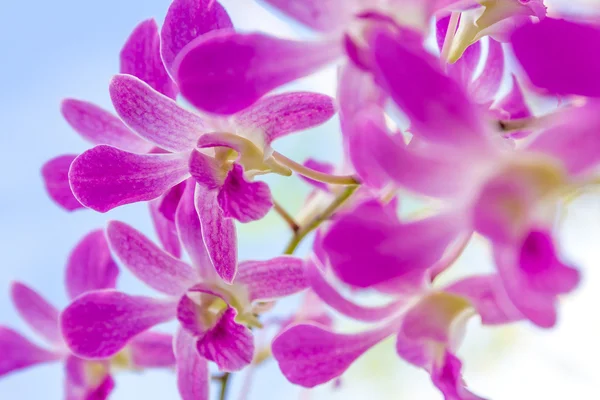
{"x":90,"y":267}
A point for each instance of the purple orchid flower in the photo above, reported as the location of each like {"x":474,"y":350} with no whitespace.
{"x":90,"y":267}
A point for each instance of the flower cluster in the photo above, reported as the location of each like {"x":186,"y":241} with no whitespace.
{"x":423,"y":113}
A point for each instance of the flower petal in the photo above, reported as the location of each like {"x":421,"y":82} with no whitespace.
{"x":141,"y":58}
{"x":148,"y":262}
{"x":227,"y":72}
{"x":485,"y":87}
{"x":152,"y":350}
{"x":19,"y":353}
{"x":192,"y":370}
{"x":538,"y":47}
{"x":513,"y":105}
{"x":446,"y":376}
{"x":87,"y":380}
{"x":281,"y":114}
{"x":165,"y":229}
{"x":188,"y":19}
{"x":218,"y":233}
{"x":101,"y":127}
{"x":320,"y":15}
{"x":40,"y":315}
{"x":243,"y":200}
{"x":206,"y":170}
{"x":267,"y":280}
{"x":105,"y":177}
{"x":153,"y":116}
{"x":90,"y":266}
{"x":309,"y":355}
{"x":56,"y":179}
{"x":99,"y":324}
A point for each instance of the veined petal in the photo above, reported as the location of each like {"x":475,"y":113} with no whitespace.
{"x":218,"y":233}
{"x":185,"y":21}
{"x":206,"y":170}
{"x":99,"y":324}
{"x":267,"y":280}
{"x":281,"y":114}
{"x":165,"y":229}
{"x":152,"y":350}
{"x":56,"y":179}
{"x":241,"y":199}
{"x":40,"y":315}
{"x":309,"y":355}
{"x":90,"y":266}
{"x":192,"y":369}
{"x":19,"y":353}
{"x":141,"y":58}
{"x":227,"y":72}
{"x":101,"y":127}
{"x":153,"y":116}
{"x":148,"y":262}
{"x":320,"y":15}
{"x":105,"y":177}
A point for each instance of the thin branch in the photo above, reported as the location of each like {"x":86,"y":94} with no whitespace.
{"x":314,"y":174}
{"x":286,"y":217}
{"x":224,"y":379}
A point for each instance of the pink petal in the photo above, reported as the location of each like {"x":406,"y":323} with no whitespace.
{"x":218,"y":233}
{"x":415,"y":351}
{"x":192,"y":370}
{"x":148,"y":262}
{"x":227,"y":72}
{"x":281,"y":114}
{"x":56,"y":179}
{"x":90,"y":266}
{"x":99,"y":324}
{"x":101,"y":127}
{"x":190,"y":232}
{"x":141,"y":58}
{"x":153,"y":116}
{"x":40,"y":315}
{"x":267,"y":280}
{"x":513,"y":104}
{"x":80,"y":384}
{"x":165,"y":229}
{"x":487,"y":84}
{"x":243,"y":200}
{"x":320,"y":15}
{"x":309,"y":355}
{"x":152,"y":350}
{"x":557,"y":56}
{"x":188,"y":19}
{"x":207,"y":171}
{"x":105,"y":177}
{"x":19,"y":353}
{"x":446,"y":375}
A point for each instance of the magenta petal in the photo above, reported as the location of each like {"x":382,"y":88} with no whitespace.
{"x":148,"y":262}
{"x":90,"y":266}
{"x":153,"y":116}
{"x":105,"y":177}
{"x":229,"y":344}
{"x":82,"y":384}
{"x":513,"y":104}
{"x":100,"y":324}
{"x":101,"y":127}
{"x":267,"y":280}
{"x":309,"y":355}
{"x":556,"y":56}
{"x":141,"y":58}
{"x":282,"y":114}
{"x":165,"y":229}
{"x":40,"y":315}
{"x":487,"y":84}
{"x":188,"y":19}
{"x":19,"y":353}
{"x":228,"y":72}
{"x":152,"y":350}
{"x":207,"y":171}
{"x":192,"y":370}
{"x":243,"y":200}
{"x":329,"y":15}
{"x":56,"y":179}
{"x":446,"y":376}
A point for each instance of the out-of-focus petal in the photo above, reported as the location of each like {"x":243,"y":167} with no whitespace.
{"x":320,"y":15}
{"x":446,"y":376}
{"x":218,"y":233}
{"x":56,"y":179}
{"x":90,"y":266}
{"x":165,"y":229}
{"x":185,"y":21}
{"x":192,"y":369}
{"x":309,"y":355}
{"x":148,"y":262}
{"x":141,"y":58}
{"x":243,"y":200}
{"x":40,"y":315}
{"x":513,"y":105}
{"x":152,"y":350}
{"x":486,"y":85}
{"x":105,"y":177}
{"x":19,"y":353}
{"x":153,"y":116}
{"x":87,"y":380}
{"x":270,"y":279}
{"x":227,"y":72}
{"x":101,"y":127}
{"x":100,"y":324}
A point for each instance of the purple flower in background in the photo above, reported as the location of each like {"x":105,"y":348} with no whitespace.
{"x":90,"y":267}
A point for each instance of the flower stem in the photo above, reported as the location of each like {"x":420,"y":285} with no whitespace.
{"x":286,"y":216}
{"x":224,"y":379}
{"x":316,"y":175}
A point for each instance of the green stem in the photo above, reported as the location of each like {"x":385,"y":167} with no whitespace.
{"x":224,"y":379}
